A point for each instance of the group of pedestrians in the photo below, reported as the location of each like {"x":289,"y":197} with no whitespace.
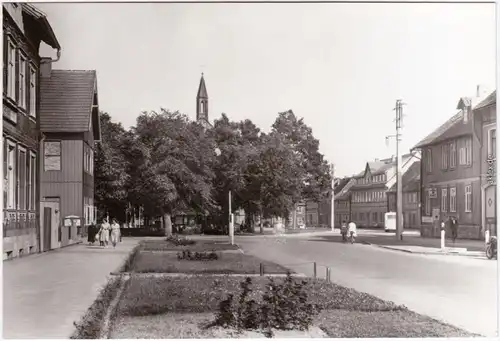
{"x":108,"y":232}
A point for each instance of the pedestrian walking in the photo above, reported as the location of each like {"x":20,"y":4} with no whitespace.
{"x":454,"y":228}
{"x":104,"y":233}
{"x":115,"y":232}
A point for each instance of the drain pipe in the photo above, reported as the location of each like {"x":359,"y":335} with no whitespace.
{"x":45,"y":60}
{"x":39,"y":194}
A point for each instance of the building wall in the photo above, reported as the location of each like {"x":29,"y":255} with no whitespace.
{"x":488,"y":169}
{"x":66,"y":183}
{"x":368,"y":210}
{"x":20,"y":135}
{"x":342,"y":211}
{"x":312,"y":214}
{"x":411,"y":209}
{"x":458,"y":177}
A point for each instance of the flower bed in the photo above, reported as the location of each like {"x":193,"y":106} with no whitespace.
{"x":227,"y":263}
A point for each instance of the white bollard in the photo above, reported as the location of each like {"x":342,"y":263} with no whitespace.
{"x":231,"y":229}
{"x":442,"y":239}
{"x":486,"y":236}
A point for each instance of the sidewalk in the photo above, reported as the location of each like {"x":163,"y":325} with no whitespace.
{"x":434,"y":251}
{"x":45,"y":293}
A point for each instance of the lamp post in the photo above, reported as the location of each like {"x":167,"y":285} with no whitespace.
{"x":231,"y":217}
{"x":332,"y":208}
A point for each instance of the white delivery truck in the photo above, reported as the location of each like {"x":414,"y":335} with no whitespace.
{"x":390,"y":222}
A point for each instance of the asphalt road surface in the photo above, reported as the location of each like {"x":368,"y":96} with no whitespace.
{"x":459,"y":290}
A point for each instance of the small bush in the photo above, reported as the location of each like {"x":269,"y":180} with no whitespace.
{"x":284,"y":306}
{"x":189,"y":255}
{"x":180,"y":241}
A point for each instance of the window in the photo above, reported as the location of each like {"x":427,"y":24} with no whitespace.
{"x":465,"y":111}
{"x":22,"y":81}
{"x":453,"y":199}
{"x":52,"y":156}
{"x":468,"y":198}
{"x":374,"y":217}
{"x":492,"y":143}
{"x":32,"y":182}
{"x":5,"y":174}
{"x":444,"y":199}
{"x":465,"y":155}
{"x":453,"y":154}
{"x":429,"y":160}
{"x":202,"y":107}
{"x":33,"y":87}
{"x":11,"y":175}
{"x":92,"y":161}
{"x":361,"y":216}
{"x":428,"y":203}
{"x":21,"y":183}
{"x":444,"y":156}
{"x":11,"y":69}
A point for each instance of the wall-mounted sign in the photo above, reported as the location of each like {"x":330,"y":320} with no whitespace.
{"x":427,"y":220}
{"x":490,"y":173}
{"x":433,"y":193}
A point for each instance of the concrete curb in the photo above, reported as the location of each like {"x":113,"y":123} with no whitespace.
{"x":106,"y":327}
{"x":439,"y":253}
{"x":160,"y":275}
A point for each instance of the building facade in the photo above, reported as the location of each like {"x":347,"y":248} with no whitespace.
{"x":312,"y":213}
{"x":485,"y":117}
{"x":24,"y":28}
{"x":69,"y":122}
{"x":451,"y":175}
{"x":411,"y":197}
{"x":369,"y":192}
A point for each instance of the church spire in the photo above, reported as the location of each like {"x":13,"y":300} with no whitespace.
{"x":202,"y":101}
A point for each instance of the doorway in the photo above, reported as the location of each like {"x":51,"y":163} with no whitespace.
{"x":490,"y":216}
{"x":50,"y":218}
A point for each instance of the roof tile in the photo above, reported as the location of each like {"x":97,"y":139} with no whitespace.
{"x":66,"y":99}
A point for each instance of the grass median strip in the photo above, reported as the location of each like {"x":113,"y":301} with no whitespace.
{"x":198,"y":246}
{"x":187,"y":304}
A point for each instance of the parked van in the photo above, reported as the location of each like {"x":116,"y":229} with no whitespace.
{"x":390,"y":222}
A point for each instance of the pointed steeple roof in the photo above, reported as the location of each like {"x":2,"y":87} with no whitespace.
{"x":202,"y":90}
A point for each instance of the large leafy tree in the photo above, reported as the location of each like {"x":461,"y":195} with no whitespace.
{"x":110,"y":170}
{"x":315,"y":171}
{"x":170,"y":165}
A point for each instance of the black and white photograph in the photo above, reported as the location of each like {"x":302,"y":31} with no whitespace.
{"x":259,"y":169}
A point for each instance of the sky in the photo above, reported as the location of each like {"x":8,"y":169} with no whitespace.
{"x":339,"y":66}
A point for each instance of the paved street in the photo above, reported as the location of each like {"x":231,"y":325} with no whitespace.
{"x":44,"y":294}
{"x":459,"y":290}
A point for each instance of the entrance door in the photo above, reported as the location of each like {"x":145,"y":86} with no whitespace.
{"x":51,"y":224}
{"x":490,"y":199}
{"x":47,"y":224}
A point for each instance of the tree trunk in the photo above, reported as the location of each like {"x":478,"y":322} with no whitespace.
{"x":168,"y":224}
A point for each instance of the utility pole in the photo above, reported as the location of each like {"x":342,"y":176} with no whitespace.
{"x":399,"y":184}
{"x":332,"y":218}
{"x":399,"y":164}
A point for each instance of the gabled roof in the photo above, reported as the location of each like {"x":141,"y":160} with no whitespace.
{"x":491,"y":99}
{"x":202,"y":89}
{"x":45,"y":30}
{"x":67,"y":100}
{"x":451,"y":128}
{"x":410,"y":178}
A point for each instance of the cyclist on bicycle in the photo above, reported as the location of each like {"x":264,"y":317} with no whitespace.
{"x":352,"y":231}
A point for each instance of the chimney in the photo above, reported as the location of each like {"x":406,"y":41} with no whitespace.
{"x":45,"y":67}
{"x":478,"y":92}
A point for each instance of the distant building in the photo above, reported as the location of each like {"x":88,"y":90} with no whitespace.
{"x":369,"y":193}
{"x":24,"y":27}
{"x":411,"y":197}
{"x":312,"y":213}
{"x":451,"y":174}
{"x":485,"y":117}
{"x":343,"y":200}
{"x":69,"y":121}
{"x":202,"y":105}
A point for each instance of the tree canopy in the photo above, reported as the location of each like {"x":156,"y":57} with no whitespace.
{"x":167,"y":164}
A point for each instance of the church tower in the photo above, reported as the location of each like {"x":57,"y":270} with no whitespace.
{"x":202,"y":104}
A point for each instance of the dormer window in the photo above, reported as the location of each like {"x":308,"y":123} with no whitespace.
{"x":465,"y":114}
